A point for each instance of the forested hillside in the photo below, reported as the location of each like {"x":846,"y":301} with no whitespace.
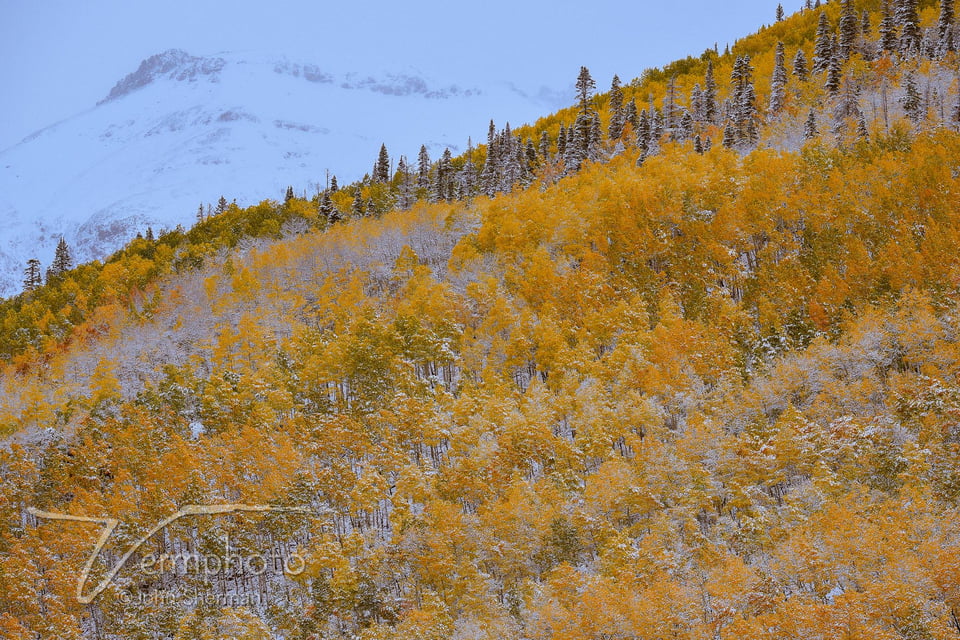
{"x":680,"y":361}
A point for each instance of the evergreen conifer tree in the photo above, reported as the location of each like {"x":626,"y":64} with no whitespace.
{"x":822,"y":47}
{"x":327,"y":208}
{"x":443,"y":177}
{"x":405,"y":197}
{"x":834,"y":73}
{"x":530,"y":156}
{"x":810,"y":127}
{"x":848,"y":103}
{"x":630,"y":114}
{"x":888,"y":29}
{"x":31,"y":275}
{"x":423,"y":168}
{"x":643,"y":131}
{"x":696,"y":103}
{"x":779,"y":13}
{"x":585,"y":86}
{"x":744,"y":102}
{"x":800,"y":68}
{"x":908,"y":20}
{"x":709,"y":95}
{"x":912,"y":101}
{"x":467,"y":180}
{"x":289,"y":195}
{"x":596,"y":137}
{"x":657,"y":126}
{"x":849,"y":27}
{"x":615,"y":130}
{"x":221,"y":205}
{"x":381,"y":171}
{"x":357,"y":208}
{"x":945,"y":43}
{"x":544,"y":147}
{"x":729,"y":137}
{"x":778,"y":84}
{"x":670,"y":108}
{"x":686,"y":126}
{"x":62,"y":259}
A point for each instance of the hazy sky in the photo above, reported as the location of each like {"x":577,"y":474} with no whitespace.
{"x":58,"y":57}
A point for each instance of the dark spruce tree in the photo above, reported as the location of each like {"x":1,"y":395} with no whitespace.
{"x":729,"y":137}
{"x":62,"y":259}
{"x":671,"y":112}
{"x":221,"y":205}
{"x":945,"y":43}
{"x":630,"y":114}
{"x":778,"y":84}
{"x":810,"y":126}
{"x":443,"y":188}
{"x":822,"y":47}
{"x":800,"y":68}
{"x":696,"y":103}
{"x":585,"y":86}
{"x":848,"y":104}
{"x":357,"y":208}
{"x":405,"y":192}
{"x":544,"y":147}
{"x":327,"y":208}
{"x":888,"y":30}
{"x":779,"y":13}
{"x":744,"y":102}
{"x":381,"y":171}
{"x":423,"y":168}
{"x":32,"y":278}
{"x":615,"y":130}
{"x":908,"y":20}
{"x":289,"y":195}
{"x":849,"y":29}
{"x":562,"y":143}
{"x":467,"y":179}
{"x":709,"y":95}
{"x":685,"y":128}
{"x":596,"y":137}
{"x":644,"y":132}
{"x":912,"y":101}
{"x":834,"y":74}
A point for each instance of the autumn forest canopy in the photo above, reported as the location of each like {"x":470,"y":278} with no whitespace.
{"x":679,"y":361}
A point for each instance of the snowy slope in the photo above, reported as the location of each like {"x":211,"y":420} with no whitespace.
{"x":182,"y":130}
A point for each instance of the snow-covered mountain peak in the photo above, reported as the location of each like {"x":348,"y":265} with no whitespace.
{"x":174,"y":64}
{"x":183,"y":130}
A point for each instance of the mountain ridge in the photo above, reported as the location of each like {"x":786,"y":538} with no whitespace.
{"x":189,"y":129}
